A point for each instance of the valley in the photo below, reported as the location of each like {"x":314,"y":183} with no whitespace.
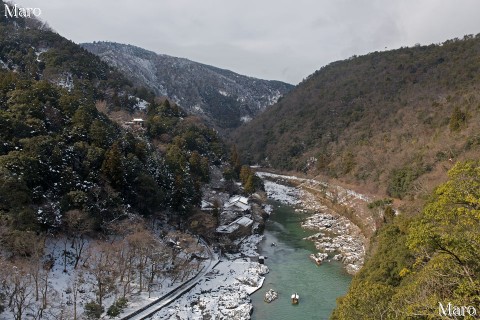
{"x":138,"y":185}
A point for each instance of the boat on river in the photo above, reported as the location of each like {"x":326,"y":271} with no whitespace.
{"x":295,"y":298}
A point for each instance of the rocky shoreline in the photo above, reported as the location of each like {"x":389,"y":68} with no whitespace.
{"x":337,"y":237}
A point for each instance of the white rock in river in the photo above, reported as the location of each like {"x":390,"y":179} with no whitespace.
{"x":270,"y":295}
{"x":318,"y":257}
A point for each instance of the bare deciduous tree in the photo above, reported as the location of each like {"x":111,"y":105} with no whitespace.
{"x":20,"y":290}
{"x":78,"y":224}
{"x":101,"y":265}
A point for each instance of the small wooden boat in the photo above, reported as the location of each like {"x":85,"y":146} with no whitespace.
{"x":295,"y":298}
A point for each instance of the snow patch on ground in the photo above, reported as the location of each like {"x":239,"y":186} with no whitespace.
{"x":284,"y":194}
{"x":39,"y":52}
{"x":223,"y":294}
{"x":223,"y":93}
{"x":197,"y":108}
{"x":63,"y":278}
{"x":342,"y":195}
{"x":249,"y":245}
{"x":246,"y":119}
{"x":3,"y":65}
{"x":141,"y":104}
{"x":66,"y":81}
{"x":268,"y":209}
{"x":280,"y":192}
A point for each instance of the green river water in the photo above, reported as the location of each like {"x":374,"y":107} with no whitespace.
{"x":291,"y":271}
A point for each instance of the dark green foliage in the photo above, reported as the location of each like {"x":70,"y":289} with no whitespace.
{"x":190,"y":148}
{"x":388,"y":214}
{"x":225,"y":108}
{"x":117,"y":307}
{"x":113,"y":311}
{"x":112,"y":166}
{"x":51,"y":155}
{"x":401,"y":181}
{"x":121,"y":303}
{"x":249,"y":185}
{"x":59,"y":153}
{"x":373,"y":287}
{"x":391,"y":256}
{"x":250,"y":181}
{"x":458,"y":119}
{"x":93,"y":310}
{"x":14,"y":192}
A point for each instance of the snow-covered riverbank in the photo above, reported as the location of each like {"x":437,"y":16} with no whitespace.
{"x":224,"y":293}
{"x":337,"y":236}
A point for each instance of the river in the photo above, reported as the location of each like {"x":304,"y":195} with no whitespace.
{"x":291,"y":271}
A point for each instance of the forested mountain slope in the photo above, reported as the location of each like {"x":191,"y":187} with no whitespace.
{"x":60,"y":151}
{"x":392,"y":121}
{"x":222,"y":97}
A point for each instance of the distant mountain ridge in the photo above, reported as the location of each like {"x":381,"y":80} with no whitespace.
{"x":226,"y":99}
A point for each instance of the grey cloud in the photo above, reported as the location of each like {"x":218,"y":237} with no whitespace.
{"x":272,"y":39}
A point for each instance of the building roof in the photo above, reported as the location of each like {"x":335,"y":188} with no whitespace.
{"x":244,"y":221}
{"x":238,"y":205}
{"x":227,"y":228}
{"x":240,"y":222}
{"x":206,"y":205}
{"x":236,"y":199}
{"x":238,"y":202}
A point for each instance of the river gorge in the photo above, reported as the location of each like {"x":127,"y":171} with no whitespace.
{"x":300,"y":225}
{"x":291,"y":270}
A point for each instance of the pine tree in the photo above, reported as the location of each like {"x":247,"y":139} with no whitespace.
{"x":245,"y":173}
{"x":112,"y":166}
{"x":250,"y":184}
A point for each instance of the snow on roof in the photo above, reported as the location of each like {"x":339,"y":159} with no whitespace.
{"x":240,"y":199}
{"x":239,"y":205}
{"x":244,"y":221}
{"x":240,"y":222}
{"x":206,"y":205}
{"x":137,"y":120}
{"x":228,"y":228}
{"x":238,"y":202}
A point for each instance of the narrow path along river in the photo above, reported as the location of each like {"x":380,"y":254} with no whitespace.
{"x":291,"y":270}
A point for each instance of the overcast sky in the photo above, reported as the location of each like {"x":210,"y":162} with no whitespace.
{"x":271,"y":39}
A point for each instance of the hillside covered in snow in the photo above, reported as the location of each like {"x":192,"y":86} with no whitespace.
{"x":224,"y":98}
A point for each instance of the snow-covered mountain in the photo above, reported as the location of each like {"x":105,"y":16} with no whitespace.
{"x":226,"y":99}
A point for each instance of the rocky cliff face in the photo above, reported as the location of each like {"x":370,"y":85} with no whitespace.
{"x":224,"y":98}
